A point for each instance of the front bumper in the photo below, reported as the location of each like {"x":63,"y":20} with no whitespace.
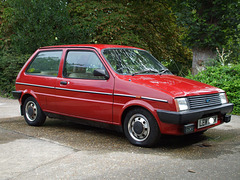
{"x":191,"y":116}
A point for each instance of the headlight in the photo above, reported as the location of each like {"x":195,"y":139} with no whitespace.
{"x":223,"y":98}
{"x":182,"y":104}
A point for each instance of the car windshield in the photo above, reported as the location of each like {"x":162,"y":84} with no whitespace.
{"x":134,"y":61}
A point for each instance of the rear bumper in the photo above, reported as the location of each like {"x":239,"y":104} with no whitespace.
{"x":17,"y":94}
{"x":191,"y":116}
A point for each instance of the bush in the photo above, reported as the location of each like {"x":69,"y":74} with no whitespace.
{"x":9,"y":67}
{"x":226,"y":78}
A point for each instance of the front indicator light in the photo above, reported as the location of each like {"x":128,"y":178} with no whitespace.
{"x":223,"y":98}
{"x":182,"y":104}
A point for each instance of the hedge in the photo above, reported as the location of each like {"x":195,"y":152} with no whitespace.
{"x":226,"y":78}
{"x":10,"y":65}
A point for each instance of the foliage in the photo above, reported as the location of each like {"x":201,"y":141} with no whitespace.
{"x":9,"y":69}
{"x":226,"y":78}
{"x":5,"y":14}
{"x":102,"y":22}
{"x":29,"y":24}
{"x":223,"y":56}
{"x":156,"y":27}
{"x":210,"y":24}
{"x":149,"y":25}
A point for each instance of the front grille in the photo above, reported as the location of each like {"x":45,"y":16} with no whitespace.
{"x":202,"y":101}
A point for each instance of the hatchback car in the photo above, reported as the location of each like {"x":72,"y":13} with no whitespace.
{"x":118,"y":87}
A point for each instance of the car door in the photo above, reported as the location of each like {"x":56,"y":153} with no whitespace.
{"x":80,"y":93}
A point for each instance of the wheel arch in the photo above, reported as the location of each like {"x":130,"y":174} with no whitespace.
{"x":127,"y":109}
{"x":25,"y":95}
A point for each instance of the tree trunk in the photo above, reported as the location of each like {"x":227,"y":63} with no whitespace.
{"x":200,"y":57}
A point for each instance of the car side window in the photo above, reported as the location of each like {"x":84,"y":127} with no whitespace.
{"x":81,"y":64}
{"x":46,"y":63}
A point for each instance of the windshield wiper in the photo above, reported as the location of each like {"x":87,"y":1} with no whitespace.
{"x":163,"y":71}
{"x":146,"y":71}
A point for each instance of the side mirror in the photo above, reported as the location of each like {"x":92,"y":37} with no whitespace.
{"x":101,"y":72}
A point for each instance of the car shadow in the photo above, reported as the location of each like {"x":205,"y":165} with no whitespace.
{"x":175,"y":142}
{"x":109,"y":137}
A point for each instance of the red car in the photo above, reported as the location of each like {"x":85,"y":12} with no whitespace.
{"x":119,"y":87}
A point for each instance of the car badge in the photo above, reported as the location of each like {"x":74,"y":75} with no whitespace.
{"x":207,"y":100}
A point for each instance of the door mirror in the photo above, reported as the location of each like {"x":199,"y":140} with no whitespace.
{"x":101,"y":72}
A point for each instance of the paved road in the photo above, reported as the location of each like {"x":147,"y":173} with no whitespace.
{"x":9,"y":108}
{"x":64,"y":150}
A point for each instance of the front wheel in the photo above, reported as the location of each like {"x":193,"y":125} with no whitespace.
{"x":141,"y":128}
{"x":33,"y":114}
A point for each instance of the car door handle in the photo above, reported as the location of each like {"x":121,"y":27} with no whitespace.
{"x":63,"y":82}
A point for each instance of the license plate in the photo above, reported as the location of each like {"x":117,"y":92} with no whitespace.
{"x":204,"y":122}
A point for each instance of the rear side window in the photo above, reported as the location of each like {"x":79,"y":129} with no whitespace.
{"x":46,"y":63}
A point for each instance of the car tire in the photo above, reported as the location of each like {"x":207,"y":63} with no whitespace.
{"x":33,"y":114}
{"x":141,"y":128}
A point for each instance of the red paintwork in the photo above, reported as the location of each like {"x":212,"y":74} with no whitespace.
{"x":108,"y":108}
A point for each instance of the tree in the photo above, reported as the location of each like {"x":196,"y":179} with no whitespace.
{"x":101,"y":22}
{"x":157,"y":28}
{"x":5,"y":24}
{"x":146,"y":24}
{"x":29,"y":24}
{"x":209,"y":24}
{"x":151,"y":25}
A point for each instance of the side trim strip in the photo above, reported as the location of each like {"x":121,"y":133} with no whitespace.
{"x":153,"y":99}
{"x":92,"y":92}
{"x":142,"y":97}
{"x":35,"y":85}
{"x":125,"y":95}
{"x":95,"y":92}
{"x":65,"y":89}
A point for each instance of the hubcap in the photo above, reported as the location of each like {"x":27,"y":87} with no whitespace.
{"x":138,"y":127}
{"x":31,"y":111}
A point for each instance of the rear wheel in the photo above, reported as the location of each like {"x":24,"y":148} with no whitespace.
{"x":33,"y":114}
{"x":141,"y":128}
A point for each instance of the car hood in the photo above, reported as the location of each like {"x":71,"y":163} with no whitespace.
{"x":174,"y":85}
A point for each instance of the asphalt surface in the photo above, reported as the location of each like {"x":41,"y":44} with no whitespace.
{"x":64,"y":150}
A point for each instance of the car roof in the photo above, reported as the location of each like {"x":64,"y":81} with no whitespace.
{"x":95,"y":46}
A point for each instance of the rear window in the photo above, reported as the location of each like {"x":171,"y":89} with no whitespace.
{"x":46,"y":63}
